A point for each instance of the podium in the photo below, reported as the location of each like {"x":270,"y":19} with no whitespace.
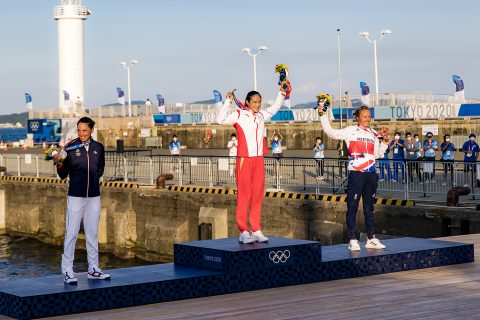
{"x":221,"y":266}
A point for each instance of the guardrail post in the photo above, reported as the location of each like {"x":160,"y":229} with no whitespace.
{"x":125,"y":173}
{"x":152,"y":178}
{"x":304,"y":177}
{"x":277,"y":173}
{"x":210,"y":176}
{"x":18,"y":164}
{"x":37,"y":166}
{"x":406,"y":177}
{"x":180,"y":171}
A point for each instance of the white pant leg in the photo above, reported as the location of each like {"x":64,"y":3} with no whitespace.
{"x":91,"y":218}
{"x":75,"y":209}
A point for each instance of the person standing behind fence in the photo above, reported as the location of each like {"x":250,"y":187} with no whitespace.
{"x":412,"y":148}
{"x":364,"y":147}
{"x":232,"y":152}
{"x":318,"y":155}
{"x":416,"y":137}
{"x":430,"y":146}
{"x":343,"y":155}
{"x":277,"y":151}
{"x":384,"y":165}
{"x":250,"y":169}
{"x":448,"y":156}
{"x":174,"y":146}
{"x":398,"y":157}
{"x":471,"y":149}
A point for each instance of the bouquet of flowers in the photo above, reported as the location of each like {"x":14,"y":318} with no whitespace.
{"x":323,"y":101}
{"x":282,"y":70}
{"x":51,"y":152}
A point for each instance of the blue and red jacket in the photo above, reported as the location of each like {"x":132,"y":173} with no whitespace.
{"x":83,"y":167}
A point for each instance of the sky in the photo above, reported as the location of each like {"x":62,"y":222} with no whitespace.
{"x":187,"y":48}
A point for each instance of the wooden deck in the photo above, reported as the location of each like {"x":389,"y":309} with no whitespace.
{"x":451,"y":292}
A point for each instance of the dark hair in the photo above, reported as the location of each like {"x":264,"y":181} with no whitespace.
{"x":88,"y":121}
{"x":356,"y":113}
{"x":408,"y":134}
{"x":233,"y":135}
{"x":416,"y":135}
{"x":396,"y":132}
{"x":174,"y":136}
{"x":318,"y":138}
{"x":445,"y":136}
{"x":251,"y":94}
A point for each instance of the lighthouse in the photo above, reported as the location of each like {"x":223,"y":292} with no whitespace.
{"x":70,"y":15}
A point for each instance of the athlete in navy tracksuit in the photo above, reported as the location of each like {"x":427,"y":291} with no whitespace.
{"x":84,"y":164}
{"x":364,"y":147}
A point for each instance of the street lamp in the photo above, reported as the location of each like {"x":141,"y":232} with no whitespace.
{"x":383,"y":33}
{"x":254,"y":55}
{"x":127,"y":66}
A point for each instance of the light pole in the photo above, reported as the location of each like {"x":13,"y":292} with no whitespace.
{"x":339,"y":80}
{"x":383,"y":33}
{"x":127,"y":66}
{"x":254,"y":56}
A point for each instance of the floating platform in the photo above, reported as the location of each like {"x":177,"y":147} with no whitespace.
{"x":214,"y":267}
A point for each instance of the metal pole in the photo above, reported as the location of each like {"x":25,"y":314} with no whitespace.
{"x":129,"y":93}
{"x":376,"y":70}
{"x":255,"y":71}
{"x":339,"y":80}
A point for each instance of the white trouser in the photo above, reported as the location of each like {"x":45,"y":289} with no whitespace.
{"x":89,"y":210}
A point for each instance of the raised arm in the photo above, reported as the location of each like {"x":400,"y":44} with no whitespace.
{"x":339,"y":134}
{"x":224,"y":117}
{"x":269,"y":112}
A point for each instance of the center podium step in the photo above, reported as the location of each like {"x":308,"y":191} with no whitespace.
{"x":228,"y":255}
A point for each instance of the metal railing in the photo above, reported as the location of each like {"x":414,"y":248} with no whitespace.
{"x":407,"y":178}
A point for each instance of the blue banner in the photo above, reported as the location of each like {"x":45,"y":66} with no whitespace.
{"x":458,"y":83}
{"x":217,"y":96}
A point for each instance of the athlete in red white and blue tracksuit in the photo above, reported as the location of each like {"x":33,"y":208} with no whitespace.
{"x":364,"y":147}
{"x":250,"y":166}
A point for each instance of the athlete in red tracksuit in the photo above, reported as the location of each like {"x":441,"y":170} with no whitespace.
{"x":364,"y":147}
{"x":250,"y":167}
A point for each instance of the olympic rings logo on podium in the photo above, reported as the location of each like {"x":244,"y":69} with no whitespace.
{"x":279,"y":256}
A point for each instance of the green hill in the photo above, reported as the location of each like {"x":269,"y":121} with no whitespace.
{"x":14,"y":118}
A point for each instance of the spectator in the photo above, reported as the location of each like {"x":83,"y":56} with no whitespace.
{"x":416,"y":137}
{"x":277,"y":151}
{"x":447,"y":148}
{"x":232,"y":152}
{"x":318,"y":155}
{"x":398,"y":157}
{"x":343,"y":155}
{"x":471,"y":149}
{"x":430,"y":146}
{"x":412,"y":148}
{"x":384,"y":165}
{"x":174,"y":146}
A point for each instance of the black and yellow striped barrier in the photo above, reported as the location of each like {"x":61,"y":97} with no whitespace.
{"x":52,"y":180}
{"x":18,"y":179}
{"x":65,"y":181}
{"x":127,"y":185}
{"x":395,"y":202}
{"x":201,"y":190}
{"x":293,"y":195}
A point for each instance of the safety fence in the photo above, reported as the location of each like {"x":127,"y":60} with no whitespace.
{"x":407,"y":178}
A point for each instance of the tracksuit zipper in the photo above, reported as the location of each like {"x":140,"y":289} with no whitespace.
{"x":88,"y":170}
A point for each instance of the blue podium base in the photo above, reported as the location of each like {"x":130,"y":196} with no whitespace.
{"x":213,"y":267}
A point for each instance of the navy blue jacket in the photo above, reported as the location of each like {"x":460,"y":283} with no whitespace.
{"x":84,"y":168}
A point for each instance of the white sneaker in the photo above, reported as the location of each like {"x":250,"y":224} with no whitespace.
{"x":354,"y":245}
{"x":245,"y":237}
{"x":444,"y":184}
{"x":97,"y":274}
{"x":374,"y":243}
{"x":466,"y":185}
{"x":69,"y":277}
{"x":381,"y":180}
{"x":322,"y":178}
{"x":258,"y":236}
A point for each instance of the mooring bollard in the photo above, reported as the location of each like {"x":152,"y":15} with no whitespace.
{"x":162,"y":178}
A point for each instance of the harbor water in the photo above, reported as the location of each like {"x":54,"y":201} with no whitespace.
{"x":22,"y":257}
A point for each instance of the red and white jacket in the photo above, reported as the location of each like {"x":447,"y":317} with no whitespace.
{"x":363,"y":145}
{"x":250,"y":126}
